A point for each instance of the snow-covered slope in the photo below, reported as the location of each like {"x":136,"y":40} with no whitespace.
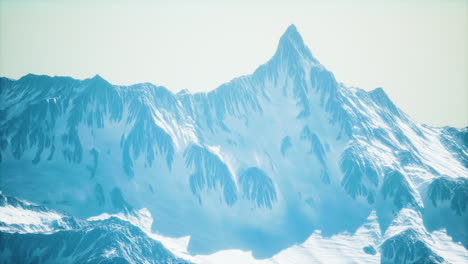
{"x":269,"y":162}
{"x":34,"y":234}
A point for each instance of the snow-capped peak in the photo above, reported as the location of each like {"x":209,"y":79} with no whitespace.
{"x":291,"y":45}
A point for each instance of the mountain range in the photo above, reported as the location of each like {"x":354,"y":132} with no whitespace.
{"x":286,"y":165}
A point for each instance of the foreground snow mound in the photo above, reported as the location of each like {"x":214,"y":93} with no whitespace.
{"x":407,"y":248}
{"x":260,"y":164}
{"x":34,"y":234}
{"x":110,"y":241}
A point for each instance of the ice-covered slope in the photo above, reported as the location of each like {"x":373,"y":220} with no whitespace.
{"x":259,"y":164}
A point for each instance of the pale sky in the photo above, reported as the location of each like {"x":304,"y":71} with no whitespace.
{"x":416,"y":50}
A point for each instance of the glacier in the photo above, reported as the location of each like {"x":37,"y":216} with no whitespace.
{"x":286,"y":165}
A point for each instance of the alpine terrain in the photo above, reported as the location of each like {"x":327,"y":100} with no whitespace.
{"x":285,"y":165}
